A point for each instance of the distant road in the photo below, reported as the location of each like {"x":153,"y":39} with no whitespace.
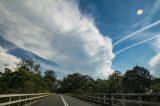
{"x":62,"y":100}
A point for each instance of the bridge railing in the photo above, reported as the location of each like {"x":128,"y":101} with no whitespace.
{"x":121,"y":99}
{"x":21,"y":99}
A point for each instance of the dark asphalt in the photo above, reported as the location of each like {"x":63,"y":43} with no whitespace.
{"x":56,"y":100}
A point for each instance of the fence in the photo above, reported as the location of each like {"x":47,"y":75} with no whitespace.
{"x":21,"y":99}
{"x":121,"y":99}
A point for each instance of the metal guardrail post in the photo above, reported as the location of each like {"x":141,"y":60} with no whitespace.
{"x":140,"y":99}
{"x":94,"y":97}
{"x":123,"y":100}
{"x":19,"y":99}
{"x":104,"y":100}
{"x":98,"y":98}
{"x":10,"y":98}
{"x":26,"y":101}
{"x":112,"y":99}
{"x":30,"y":100}
{"x":34,"y":99}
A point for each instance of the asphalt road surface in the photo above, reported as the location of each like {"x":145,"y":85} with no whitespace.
{"x":62,"y":100}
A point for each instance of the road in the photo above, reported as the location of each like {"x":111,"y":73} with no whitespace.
{"x":62,"y":100}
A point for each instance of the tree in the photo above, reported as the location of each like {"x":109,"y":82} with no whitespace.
{"x":29,"y":63}
{"x":115,"y":80}
{"x":155,"y":85}
{"x":75,"y":82}
{"x":27,"y":78}
{"x":101,"y":86}
{"x":22,"y":80}
{"x":50,"y":79}
{"x":137,"y":80}
{"x":6,"y":79}
{"x":37,"y":68}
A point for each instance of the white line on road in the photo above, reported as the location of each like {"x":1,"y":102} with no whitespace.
{"x":64,"y":102}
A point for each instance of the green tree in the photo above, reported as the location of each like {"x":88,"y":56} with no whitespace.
{"x":6,"y":79}
{"x":115,"y":80}
{"x":155,"y":85}
{"x":37,"y":68}
{"x":137,"y":80}
{"x":102,"y":86}
{"x":50,"y":79}
{"x":22,"y":80}
{"x":75,"y":82}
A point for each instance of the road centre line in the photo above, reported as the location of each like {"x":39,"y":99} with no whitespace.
{"x":64,"y":102}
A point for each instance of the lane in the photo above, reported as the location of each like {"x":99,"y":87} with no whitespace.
{"x":71,"y":101}
{"x":54,"y":100}
{"x":62,"y":100}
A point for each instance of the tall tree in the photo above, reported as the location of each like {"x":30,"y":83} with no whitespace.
{"x":137,"y":80}
{"x":75,"y":82}
{"x":155,"y":85}
{"x":50,"y":79}
{"x":115,"y":80}
{"x":22,"y":79}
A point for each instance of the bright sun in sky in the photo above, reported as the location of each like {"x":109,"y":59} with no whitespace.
{"x":139,"y":12}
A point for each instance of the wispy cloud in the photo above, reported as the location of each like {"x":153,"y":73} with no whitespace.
{"x":136,"y":32}
{"x":139,"y":43}
{"x":56,"y":30}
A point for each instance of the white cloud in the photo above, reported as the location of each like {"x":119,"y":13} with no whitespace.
{"x":7,"y":60}
{"x":155,"y":60}
{"x":56,"y":30}
{"x":155,"y":64}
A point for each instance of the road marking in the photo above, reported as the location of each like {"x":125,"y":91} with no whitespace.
{"x":64,"y":102}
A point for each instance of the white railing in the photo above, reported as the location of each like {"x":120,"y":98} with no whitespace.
{"x":21,"y":99}
{"x":121,"y":99}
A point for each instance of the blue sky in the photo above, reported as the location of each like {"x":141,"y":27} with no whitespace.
{"x":93,"y":37}
{"x":117,"y":19}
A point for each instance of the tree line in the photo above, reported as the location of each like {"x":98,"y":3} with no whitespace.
{"x":27,"y":78}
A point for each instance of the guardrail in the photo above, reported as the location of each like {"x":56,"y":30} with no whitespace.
{"x":21,"y":99}
{"x":121,"y":99}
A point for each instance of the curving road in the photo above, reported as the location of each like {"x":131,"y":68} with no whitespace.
{"x":62,"y":100}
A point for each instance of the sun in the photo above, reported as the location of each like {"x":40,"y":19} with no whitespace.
{"x":139,"y":12}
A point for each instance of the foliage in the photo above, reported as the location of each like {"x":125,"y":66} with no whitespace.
{"x":155,"y":85}
{"x":27,"y":78}
{"x":50,"y":79}
{"x":115,"y":79}
{"x":137,"y":80}
{"x":75,"y":82}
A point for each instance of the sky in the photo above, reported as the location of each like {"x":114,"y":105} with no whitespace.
{"x":93,"y":37}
